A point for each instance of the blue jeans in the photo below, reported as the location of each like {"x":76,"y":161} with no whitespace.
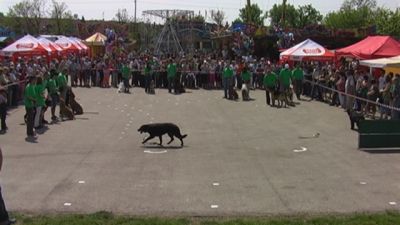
{"x":227,"y":83}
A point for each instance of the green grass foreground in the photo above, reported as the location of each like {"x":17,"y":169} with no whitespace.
{"x":104,"y":218}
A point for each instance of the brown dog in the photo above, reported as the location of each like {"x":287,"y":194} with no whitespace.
{"x":75,"y":106}
{"x":65,"y":111}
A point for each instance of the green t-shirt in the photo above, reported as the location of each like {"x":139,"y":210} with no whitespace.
{"x":61,"y":80}
{"x":171,"y":70}
{"x":270,"y":80}
{"x":126,"y":72}
{"x":246,"y":76}
{"x":228,"y":72}
{"x":284,"y":77}
{"x":298,"y":74}
{"x":146,"y":70}
{"x":29,"y":94}
{"x":39,"y":89}
{"x":52,"y":86}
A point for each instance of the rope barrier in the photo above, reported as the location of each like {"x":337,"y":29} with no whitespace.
{"x":354,"y":96}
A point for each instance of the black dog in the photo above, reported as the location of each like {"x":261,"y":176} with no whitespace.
{"x":159,"y":129}
{"x":355,"y":118}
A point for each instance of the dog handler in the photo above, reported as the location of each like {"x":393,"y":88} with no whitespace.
{"x":30,"y":101}
{"x":270,"y":81}
{"x":228,"y":74}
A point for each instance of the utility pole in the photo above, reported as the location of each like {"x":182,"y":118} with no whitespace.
{"x":135,"y":11}
{"x":248,"y":11}
{"x":284,"y":13}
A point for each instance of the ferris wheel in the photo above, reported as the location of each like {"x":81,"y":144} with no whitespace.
{"x":168,"y":40}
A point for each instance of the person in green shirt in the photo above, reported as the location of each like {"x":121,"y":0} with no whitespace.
{"x":284,"y":78}
{"x":246,"y":76}
{"x":62,"y":84}
{"x":227,"y":78}
{"x":270,"y":82}
{"x":147,"y":77}
{"x":29,"y":102}
{"x":126,"y":76}
{"x":171,"y":75}
{"x":52,"y":90}
{"x":297,"y":78}
{"x":40,"y":103}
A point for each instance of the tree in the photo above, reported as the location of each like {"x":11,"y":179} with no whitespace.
{"x":276,"y":15}
{"x":28,"y":15}
{"x":122,"y":16}
{"x":358,"y":4}
{"x":218,"y":16}
{"x":353,"y":14}
{"x":37,"y":13}
{"x":252,"y":14}
{"x":237,"y":20}
{"x":59,"y":13}
{"x":19,"y":17}
{"x":307,"y":15}
{"x":387,"y":22}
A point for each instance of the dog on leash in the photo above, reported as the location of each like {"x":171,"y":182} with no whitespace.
{"x":281,"y":98}
{"x":245,"y":92}
{"x":232,"y":94}
{"x":65,"y":111}
{"x":121,"y":87}
{"x":152,"y":90}
{"x":159,"y":129}
{"x":355,"y":118}
{"x":75,"y":106}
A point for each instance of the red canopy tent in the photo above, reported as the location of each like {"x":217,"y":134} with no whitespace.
{"x":56,"y":51}
{"x":372,"y":47}
{"x":68,"y":45}
{"x":307,"y":50}
{"x":79,"y":43}
{"x":27,"y":46}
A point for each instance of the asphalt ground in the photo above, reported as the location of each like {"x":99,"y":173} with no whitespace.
{"x":240,"y":158}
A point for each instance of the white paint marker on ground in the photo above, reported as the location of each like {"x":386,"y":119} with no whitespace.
{"x":363,"y":183}
{"x":81,"y":182}
{"x":67,"y":204}
{"x":215,"y":184}
{"x":214,"y":206}
{"x":302,"y":149}
{"x":392,"y":203}
{"x":152,"y":152}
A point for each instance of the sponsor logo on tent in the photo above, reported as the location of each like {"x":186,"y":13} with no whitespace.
{"x":312,"y":51}
{"x":64,"y":45}
{"x":25,"y":45}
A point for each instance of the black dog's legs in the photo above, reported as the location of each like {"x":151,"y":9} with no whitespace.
{"x":172,"y":138}
{"x":160,"y":139}
{"x":181,"y":141}
{"x":151,"y":137}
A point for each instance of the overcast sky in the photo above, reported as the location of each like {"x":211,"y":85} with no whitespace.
{"x":95,"y":9}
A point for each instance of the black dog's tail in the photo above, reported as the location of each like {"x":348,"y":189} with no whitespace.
{"x":183,"y":136}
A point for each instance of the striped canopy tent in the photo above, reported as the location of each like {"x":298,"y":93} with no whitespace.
{"x":80,"y":43}
{"x":97,"y":39}
{"x":56,"y":50}
{"x":96,"y":43}
{"x":307,"y":50}
{"x":68,"y":45}
{"x":28,"y":46}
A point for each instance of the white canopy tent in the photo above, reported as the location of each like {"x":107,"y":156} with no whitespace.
{"x":382,"y":63}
